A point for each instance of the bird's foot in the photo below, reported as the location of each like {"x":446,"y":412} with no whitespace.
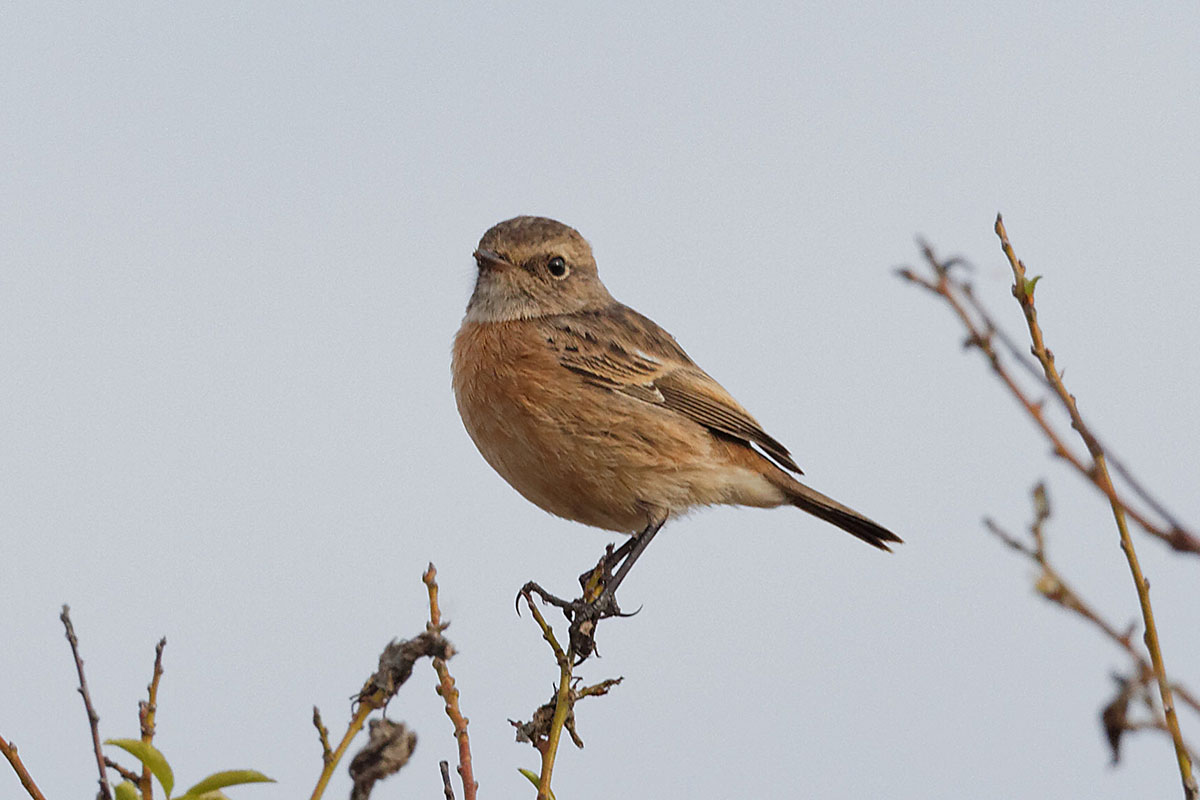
{"x":583,"y":614}
{"x":599,"y":600}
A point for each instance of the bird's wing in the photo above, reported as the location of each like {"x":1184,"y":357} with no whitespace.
{"x":620,"y":350}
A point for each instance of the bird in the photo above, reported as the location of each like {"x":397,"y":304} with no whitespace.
{"x":594,"y":413}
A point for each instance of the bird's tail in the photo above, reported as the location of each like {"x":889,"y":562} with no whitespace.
{"x":847,"y":519}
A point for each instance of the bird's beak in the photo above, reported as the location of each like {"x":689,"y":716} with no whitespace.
{"x":486,"y":259}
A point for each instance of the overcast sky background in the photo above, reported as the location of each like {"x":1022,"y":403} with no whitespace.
{"x":235,"y":247}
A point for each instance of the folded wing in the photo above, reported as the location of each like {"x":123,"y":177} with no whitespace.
{"x":620,"y":350}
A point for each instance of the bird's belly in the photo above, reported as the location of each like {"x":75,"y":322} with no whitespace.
{"x":583,"y":452}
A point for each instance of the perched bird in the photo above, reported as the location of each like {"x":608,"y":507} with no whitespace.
{"x":595,"y":413}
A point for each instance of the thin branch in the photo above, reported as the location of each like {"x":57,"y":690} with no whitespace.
{"x":93,"y":717}
{"x":980,"y":335}
{"x":323,"y":735}
{"x":447,"y":690}
{"x":1161,"y":726}
{"x":562,"y":707}
{"x":981,"y":332}
{"x":146,"y":713}
{"x":124,"y":772}
{"x":1023,"y":291}
{"x":562,"y":698}
{"x":10,"y":752}
{"x":357,"y":721}
{"x":1055,"y":588}
{"x":1177,"y":537}
{"x":1186,"y":696}
{"x":447,"y":787}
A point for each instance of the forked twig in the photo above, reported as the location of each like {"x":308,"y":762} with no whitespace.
{"x":1055,"y":588}
{"x":1023,"y":291}
{"x":981,"y":333}
{"x":562,"y":697}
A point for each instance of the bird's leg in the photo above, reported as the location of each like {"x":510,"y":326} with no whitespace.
{"x":625,"y":547}
{"x":599,"y":599}
{"x":635,"y":546}
{"x":595,"y":579}
{"x":599,"y":584}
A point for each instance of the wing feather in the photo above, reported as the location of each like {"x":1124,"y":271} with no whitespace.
{"x":620,"y":350}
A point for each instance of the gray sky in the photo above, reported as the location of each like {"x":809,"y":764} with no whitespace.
{"x":235,"y":246}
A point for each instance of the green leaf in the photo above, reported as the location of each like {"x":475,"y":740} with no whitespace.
{"x":148,"y":754}
{"x":1032,"y":282}
{"x":219,"y":780}
{"x":534,"y":778}
{"x":127,"y":790}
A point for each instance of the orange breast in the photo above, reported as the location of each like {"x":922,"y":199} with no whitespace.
{"x":580,"y":451}
{"x":542,"y":428}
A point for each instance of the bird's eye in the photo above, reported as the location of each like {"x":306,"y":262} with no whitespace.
{"x":558,"y":268}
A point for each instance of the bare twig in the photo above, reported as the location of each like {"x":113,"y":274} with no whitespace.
{"x":447,"y":690}
{"x":1052,"y":586}
{"x":1055,"y":588}
{"x":146,"y":712}
{"x":545,"y":728}
{"x":357,"y":721}
{"x":562,"y":699}
{"x":1161,"y":726}
{"x":93,"y":717}
{"x":1023,"y":291}
{"x":124,"y":772}
{"x":10,"y":752}
{"x":323,"y":735}
{"x":1176,"y":536}
{"x":981,"y":333}
{"x":447,"y":787}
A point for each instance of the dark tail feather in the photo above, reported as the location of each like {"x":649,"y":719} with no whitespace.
{"x":847,"y":519}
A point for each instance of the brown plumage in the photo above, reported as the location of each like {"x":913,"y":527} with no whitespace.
{"x":595,"y":413}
